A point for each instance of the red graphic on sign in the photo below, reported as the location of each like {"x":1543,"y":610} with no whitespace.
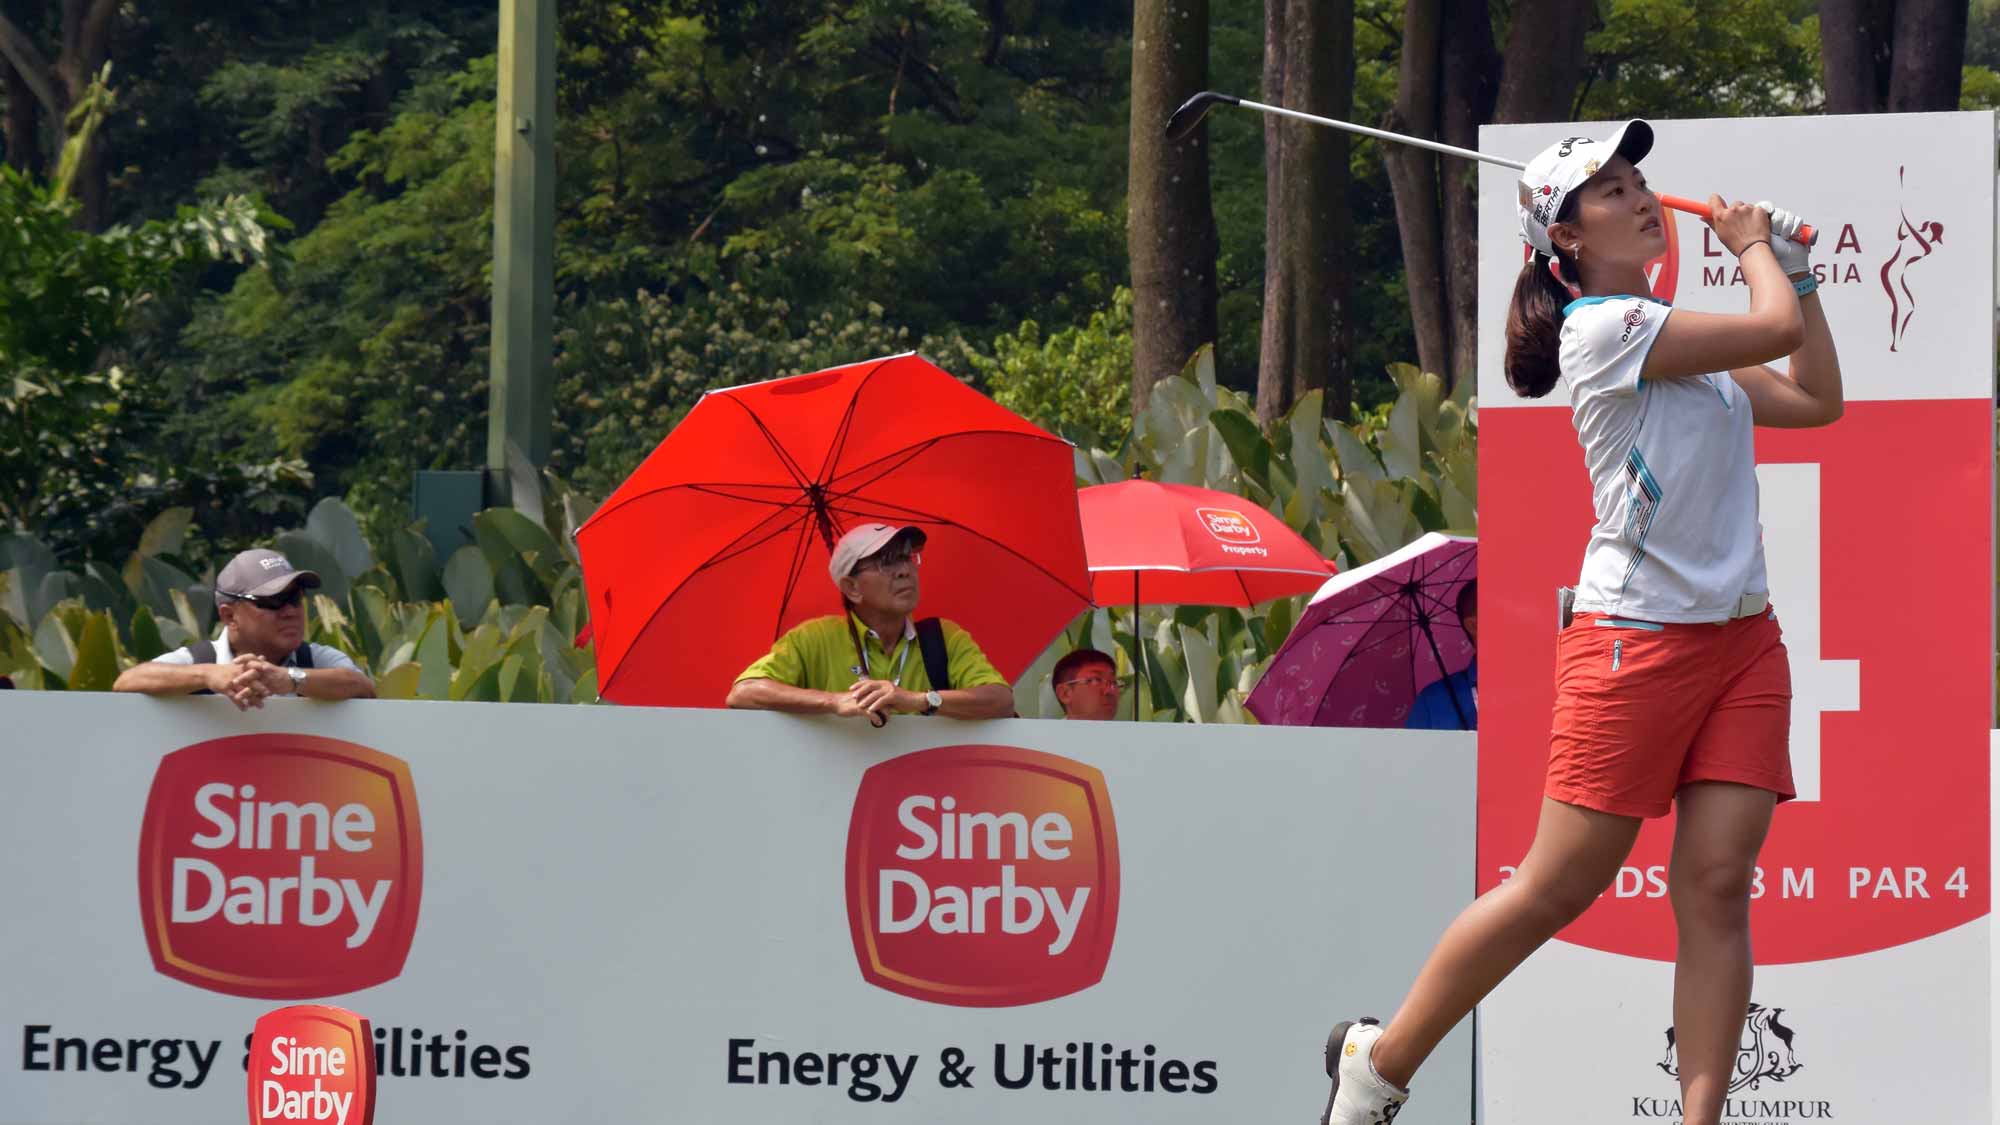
{"x":1915,"y":241}
{"x":1228,"y":525}
{"x":280,"y":866}
{"x":982,"y":876}
{"x":312,"y":1063}
{"x":1895,"y":848}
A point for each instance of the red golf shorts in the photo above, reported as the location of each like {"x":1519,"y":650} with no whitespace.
{"x":1643,"y":709}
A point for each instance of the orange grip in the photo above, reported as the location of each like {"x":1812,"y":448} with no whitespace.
{"x":1807,"y":234}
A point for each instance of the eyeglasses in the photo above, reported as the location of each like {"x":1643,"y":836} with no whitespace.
{"x":1100,"y":681}
{"x":889,"y":560}
{"x":274,"y":603}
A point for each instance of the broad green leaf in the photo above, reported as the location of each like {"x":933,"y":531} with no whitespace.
{"x":469,"y":582}
{"x":163,"y":536}
{"x":1246,"y":443}
{"x":96,"y":656}
{"x":1402,"y":448}
{"x":332,"y":525}
{"x":55,"y":647}
{"x":400,"y":682}
{"x":147,"y":642}
{"x":414,"y":563}
{"x":158,"y":580}
{"x":308,"y":553}
{"x":433,"y":654}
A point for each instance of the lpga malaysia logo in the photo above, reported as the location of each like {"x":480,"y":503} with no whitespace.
{"x":1765,"y":1055}
{"x":1917,"y":240}
{"x":311,"y":1063}
{"x":1233,"y":530}
{"x":982,"y":876}
{"x":280,"y":866}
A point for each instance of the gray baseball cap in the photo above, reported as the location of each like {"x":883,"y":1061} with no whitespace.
{"x":865,"y":540}
{"x":259,"y":573}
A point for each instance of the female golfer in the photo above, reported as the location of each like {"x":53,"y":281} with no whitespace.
{"x":1672,"y":686}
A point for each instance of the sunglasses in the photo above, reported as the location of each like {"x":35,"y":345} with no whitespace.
{"x":285,"y":600}
{"x":889,"y":561}
{"x":1101,"y":681}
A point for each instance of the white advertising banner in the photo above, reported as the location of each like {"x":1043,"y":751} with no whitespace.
{"x":564,"y":914}
{"x":1871,"y":905}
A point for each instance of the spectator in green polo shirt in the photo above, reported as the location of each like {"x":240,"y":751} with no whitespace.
{"x":868,"y":662}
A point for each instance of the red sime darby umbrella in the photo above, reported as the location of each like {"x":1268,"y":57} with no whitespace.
{"x":1175,"y":544}
{"x":718,"y":542}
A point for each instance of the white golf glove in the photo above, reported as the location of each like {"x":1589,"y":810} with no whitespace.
{"x":1795,"y":257}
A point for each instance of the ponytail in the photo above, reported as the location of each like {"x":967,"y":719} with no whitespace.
{"x":1534,"y":325}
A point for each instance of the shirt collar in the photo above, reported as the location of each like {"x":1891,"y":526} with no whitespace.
{"x":909,"y":629}
{"x":1581,"y":302}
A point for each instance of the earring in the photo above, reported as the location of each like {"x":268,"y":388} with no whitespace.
{"x":1577,"y":251}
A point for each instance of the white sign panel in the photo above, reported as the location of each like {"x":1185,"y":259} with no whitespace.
{"x":592,"y":914}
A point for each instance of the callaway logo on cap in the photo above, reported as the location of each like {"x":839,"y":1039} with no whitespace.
{"x":1563,"y":167}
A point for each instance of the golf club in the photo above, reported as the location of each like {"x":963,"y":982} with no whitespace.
{"x":1195,"y":108}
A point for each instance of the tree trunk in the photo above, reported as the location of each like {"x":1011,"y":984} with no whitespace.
{"x":1307,"y":334}
{"x":1470,"y":80}
{"x":1452,"y":82}
{"x":1854,"y":41}
{"x":24,"y":145}
{"x":1413,"y":182}
{"x":1543,"y":62}
{"x":1170,"y":228}
{"x":1929,"y":56}
{"x":84,"y":42}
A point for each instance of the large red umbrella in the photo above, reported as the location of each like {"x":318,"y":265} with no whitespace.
{"x":1175,"y":544}
{"x":718,"y":542}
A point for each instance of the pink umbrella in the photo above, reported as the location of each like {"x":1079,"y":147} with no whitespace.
{"x":1372,"y":638}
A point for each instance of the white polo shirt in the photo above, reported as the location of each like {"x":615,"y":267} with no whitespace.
{"x":324,"y":656}
{"x":1672,"y":473}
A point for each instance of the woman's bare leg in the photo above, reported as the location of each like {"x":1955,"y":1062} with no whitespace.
{"x":1575,"y":855}
{"x":1718,"y":831}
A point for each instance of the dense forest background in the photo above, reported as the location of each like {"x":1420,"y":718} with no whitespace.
{"x":750,"y":188}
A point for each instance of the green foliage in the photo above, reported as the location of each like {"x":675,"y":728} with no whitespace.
{"x":1357,"y":491}
{"x":67,"y":299}
{"x":505,"y":634}
{"x":1701,"y":58}
{"x":1078,"y":382}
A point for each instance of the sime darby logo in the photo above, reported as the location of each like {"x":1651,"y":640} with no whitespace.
{"x":1228,"y":525}
{"x":982,"y":876}
{"x":311,"y":1063}
{"x":280,"y":866}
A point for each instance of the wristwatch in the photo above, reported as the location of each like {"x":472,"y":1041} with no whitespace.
{"x":298,"y":676}
{"x":932,"y":701}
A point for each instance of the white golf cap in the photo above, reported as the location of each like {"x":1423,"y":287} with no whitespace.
{"x":1563,"y":167}
{"x":864,"y":540}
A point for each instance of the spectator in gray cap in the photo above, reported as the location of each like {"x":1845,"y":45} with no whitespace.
{"x":261,"y":650}
{"x":874,"y":660}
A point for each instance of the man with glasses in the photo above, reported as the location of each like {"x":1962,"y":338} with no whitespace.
{"x":875,"y":660}
{"x":1087,"y":685}
{"x":261,"y":650}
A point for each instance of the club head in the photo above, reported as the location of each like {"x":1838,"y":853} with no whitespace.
{"x":1193,"y":110}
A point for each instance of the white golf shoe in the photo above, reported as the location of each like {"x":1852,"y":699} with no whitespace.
{"x":1359,"y":1096}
